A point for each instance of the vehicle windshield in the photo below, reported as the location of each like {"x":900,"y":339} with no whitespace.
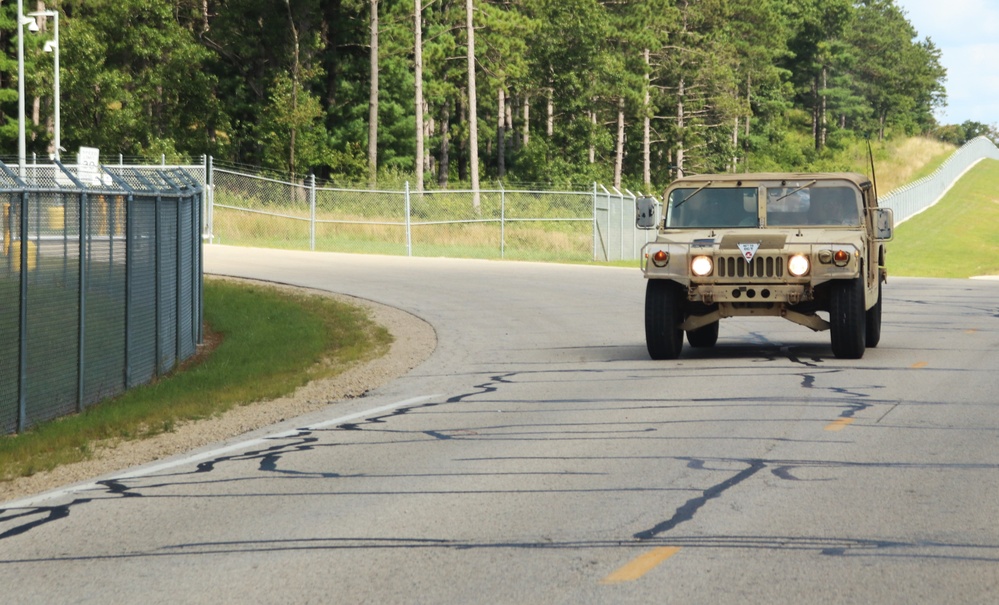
{"x":813,"y":205}
{"x":717,"y":207}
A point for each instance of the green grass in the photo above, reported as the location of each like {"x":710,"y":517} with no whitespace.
{"x":271,"y":342}
{"x":958,"y":237}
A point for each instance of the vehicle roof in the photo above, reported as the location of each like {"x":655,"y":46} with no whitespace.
{"x":752,"y":177}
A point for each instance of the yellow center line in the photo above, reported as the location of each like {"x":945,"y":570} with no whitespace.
{"x":919,"y":364}
{"x":839,"y":424}
{"x":641,"y":565}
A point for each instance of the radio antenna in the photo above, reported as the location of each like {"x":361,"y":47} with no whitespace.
{"x":870,"y":156}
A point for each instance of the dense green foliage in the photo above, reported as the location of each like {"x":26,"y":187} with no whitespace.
{"x":624,"y":91}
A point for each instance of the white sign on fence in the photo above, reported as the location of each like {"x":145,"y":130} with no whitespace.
{"x":88,"y":169}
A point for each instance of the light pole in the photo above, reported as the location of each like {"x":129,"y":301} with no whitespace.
{"x":21,"y":148}
{"x":53,"y":47}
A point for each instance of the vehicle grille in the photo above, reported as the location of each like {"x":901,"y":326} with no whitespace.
{"x":760,"y":266}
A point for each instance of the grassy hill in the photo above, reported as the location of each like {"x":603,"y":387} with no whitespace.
{"x":907,"y":160}
{"x":957,"y":237}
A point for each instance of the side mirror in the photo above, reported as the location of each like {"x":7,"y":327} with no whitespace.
{"x":884,"y":222}
{"x":645,"y":213}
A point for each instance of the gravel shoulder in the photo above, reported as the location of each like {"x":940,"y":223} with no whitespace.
{"x":414,"y":341}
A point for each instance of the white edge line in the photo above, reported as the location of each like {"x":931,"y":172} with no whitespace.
{"x":32,"y":501}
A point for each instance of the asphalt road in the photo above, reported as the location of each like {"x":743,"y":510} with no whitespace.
{"x":540,"y":456}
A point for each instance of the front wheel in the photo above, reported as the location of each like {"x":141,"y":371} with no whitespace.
{"x":663,"y":315}
{"x":847,"y":319}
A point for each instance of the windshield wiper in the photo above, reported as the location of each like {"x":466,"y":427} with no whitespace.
{"x":696,"y":191}
{"x":789,"y":193}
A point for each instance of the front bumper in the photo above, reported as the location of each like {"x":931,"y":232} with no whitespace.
{"x":710,"y":294}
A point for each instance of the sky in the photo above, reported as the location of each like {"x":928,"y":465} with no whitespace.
{"x":967,"y":34}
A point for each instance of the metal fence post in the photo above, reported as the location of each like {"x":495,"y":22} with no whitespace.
{"x":157,"y":280}
{"x":409,"y":226}
{"x":130,"y":239}
{"x":177,"y":302}
{"x":604,"y":245}
{"x":312,"y":212}
{"x":620,"y":232}
{"x":502,"y":220}
{"x":22,"y":382}
{"x":209,"y":200}
{"x":82,"y":324}
{"x":594,"y":211}
{"x":198,"y":248}
{"x":631,"y":212}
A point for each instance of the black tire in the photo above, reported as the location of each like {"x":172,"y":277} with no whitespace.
{"x":663,"y":315}
{"x":847,"y":319}
{"x":703,"y":337}
{"x":873,"y":327}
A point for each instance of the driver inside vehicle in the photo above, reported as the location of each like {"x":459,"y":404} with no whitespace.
{"x":728,"y":208}
{"x":833,"y":206}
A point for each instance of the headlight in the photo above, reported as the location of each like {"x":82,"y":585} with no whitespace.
{"x":798,"y":265}
{"x":701,"y":266}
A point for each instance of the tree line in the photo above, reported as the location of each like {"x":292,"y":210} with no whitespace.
{"x":629,"y":92}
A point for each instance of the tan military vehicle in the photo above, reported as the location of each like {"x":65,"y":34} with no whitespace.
{"x":805,"y":247}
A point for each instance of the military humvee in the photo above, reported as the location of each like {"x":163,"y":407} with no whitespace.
{"x":785,"y":245}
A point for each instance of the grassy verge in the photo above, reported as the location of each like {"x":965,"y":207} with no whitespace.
{"x":958,"y":237}
{"x":266,"y":343}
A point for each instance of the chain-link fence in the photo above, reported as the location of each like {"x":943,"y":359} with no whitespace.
{"x":241,"y":208}
{"x":100,"y":284}
{"x":505,"y":223}
{"x":595,"y":224}
{"x":615,"y":237}
{"x":917,"y":196}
